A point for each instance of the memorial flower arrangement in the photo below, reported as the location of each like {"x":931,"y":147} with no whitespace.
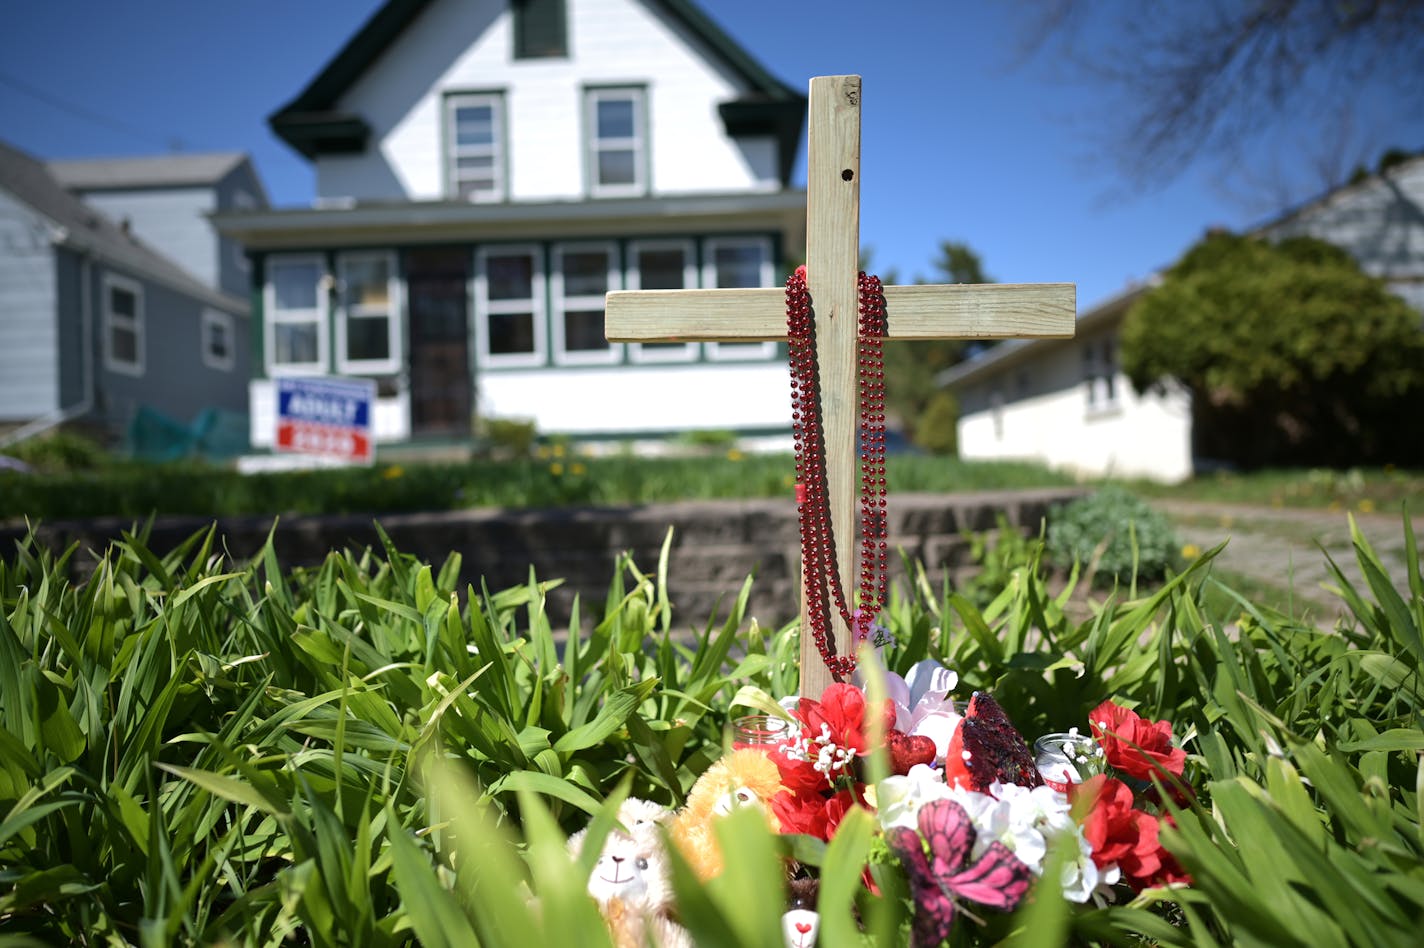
{"x":968,"y":813}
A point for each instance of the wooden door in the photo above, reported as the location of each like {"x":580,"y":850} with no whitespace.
{"x":441,"y":394}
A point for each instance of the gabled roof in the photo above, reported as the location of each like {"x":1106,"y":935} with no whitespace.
{"x":1361,"y":183}
{"x":98,"y":174}
{"x":86,"y":230}
{"x":312,"y":124}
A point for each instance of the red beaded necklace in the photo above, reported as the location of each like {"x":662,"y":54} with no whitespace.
{"x":813,"y":507}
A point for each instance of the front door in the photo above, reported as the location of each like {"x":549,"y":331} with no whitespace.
{"x":441,"y":395}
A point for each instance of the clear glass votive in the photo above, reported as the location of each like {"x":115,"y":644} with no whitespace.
{"x":759,"y":730}
{"x":1059,"y":757}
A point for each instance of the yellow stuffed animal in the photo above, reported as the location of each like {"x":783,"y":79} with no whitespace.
{"x":744,"y":778}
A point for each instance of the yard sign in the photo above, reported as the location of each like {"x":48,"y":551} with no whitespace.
{"x":992,"y":311}
{"x":326,"y":417}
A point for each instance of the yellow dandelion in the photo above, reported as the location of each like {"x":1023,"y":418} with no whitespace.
{"x":1367,"y":506}
{"x":541,"y":452}
{"x":735,"y":455}
{"x":556,"y":469}
{"x":559,"y":450}
{"x":392,"y":472}
{"x":577,"y":469}
{"x":1191,"y":551}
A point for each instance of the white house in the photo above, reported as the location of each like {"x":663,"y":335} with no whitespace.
{"x":486,"y":171}
{"x":1067,"y":403}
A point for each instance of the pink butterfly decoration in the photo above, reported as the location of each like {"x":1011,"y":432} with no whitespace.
{"x":940,"y":880}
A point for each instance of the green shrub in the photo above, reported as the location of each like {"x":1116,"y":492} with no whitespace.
{"x":1113,"y":535}
{"x":509,"y":437}
{"x":58,"y":452}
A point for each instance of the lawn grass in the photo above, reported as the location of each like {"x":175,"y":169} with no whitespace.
{"x":1363,"y":490}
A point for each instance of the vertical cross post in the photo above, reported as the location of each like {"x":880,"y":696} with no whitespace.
{"x":991,"y":311}
{"x":832,"y":266}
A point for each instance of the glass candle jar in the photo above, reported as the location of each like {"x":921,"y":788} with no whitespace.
{"x":759,"y":730}
{"x":1061,"y":758}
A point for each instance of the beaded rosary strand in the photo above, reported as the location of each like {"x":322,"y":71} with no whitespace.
{"x":818,"y":552}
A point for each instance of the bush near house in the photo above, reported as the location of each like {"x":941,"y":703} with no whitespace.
{"x":1113,"y":536}
{"x":199,"y":751}
{"x":1292,"y":354}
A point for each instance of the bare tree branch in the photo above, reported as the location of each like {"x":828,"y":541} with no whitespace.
{"x":1208,"y":79}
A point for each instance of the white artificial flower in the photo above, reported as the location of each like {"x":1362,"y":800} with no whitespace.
{"x":898,"y":799}
{"x":922,"y":702}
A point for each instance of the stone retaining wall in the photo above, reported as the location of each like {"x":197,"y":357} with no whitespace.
{"x":715,"y":544}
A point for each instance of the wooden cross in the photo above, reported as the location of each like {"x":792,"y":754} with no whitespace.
{"x":987,"y":311}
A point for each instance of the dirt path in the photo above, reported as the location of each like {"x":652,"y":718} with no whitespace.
{"x":1282,"y":548}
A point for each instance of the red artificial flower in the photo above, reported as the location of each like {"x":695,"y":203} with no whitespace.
{"x":817,"y":816}
{"x":1122,"y":835}
{"x":842,"y":711}
{"x":1135,"y":746}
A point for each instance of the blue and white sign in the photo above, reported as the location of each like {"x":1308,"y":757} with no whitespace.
{"x":327,"y":417}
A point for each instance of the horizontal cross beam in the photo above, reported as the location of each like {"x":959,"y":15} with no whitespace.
{"x":957,"y":311}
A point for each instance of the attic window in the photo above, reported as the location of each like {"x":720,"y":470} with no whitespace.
{"x":475,"y":143}
{"x":617,"y":142}
{"x":540,"y":29}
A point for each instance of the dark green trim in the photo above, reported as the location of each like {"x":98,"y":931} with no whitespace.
{"x":782,"y":120}
{"x":322,"y":133}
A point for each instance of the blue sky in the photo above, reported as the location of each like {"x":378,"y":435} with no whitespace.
{"x":958,"y":141}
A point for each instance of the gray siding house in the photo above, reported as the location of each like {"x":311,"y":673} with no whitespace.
{"x":166,"y":201}
{"x":96,"y":325}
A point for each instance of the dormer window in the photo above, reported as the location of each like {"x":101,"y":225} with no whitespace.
{"x":617,"y":142}
{"x":540,"y":29}
{"x":475,"y":159}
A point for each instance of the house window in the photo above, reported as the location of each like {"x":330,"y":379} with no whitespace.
{"x":366,"y":327}
{"x":738,"y":262}
{"x":123,"y":325}
{"x":540,"y":29}
{"x":474,"y":131}
{"x":1100,"y":374}
{"x":295,"y":316}
{"x":509,"y":306}
{"x":219,"y":340}
{"x":583,"y":273}
{"x":662,"y":265}
{"x":617,"y":142}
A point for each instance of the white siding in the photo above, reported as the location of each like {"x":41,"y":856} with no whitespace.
{"x":172,"y":221}
{"x":640,"y":399}
{"x":1140,"y":436}
{"x":29,"y":361}
{"x":455,"y":46}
